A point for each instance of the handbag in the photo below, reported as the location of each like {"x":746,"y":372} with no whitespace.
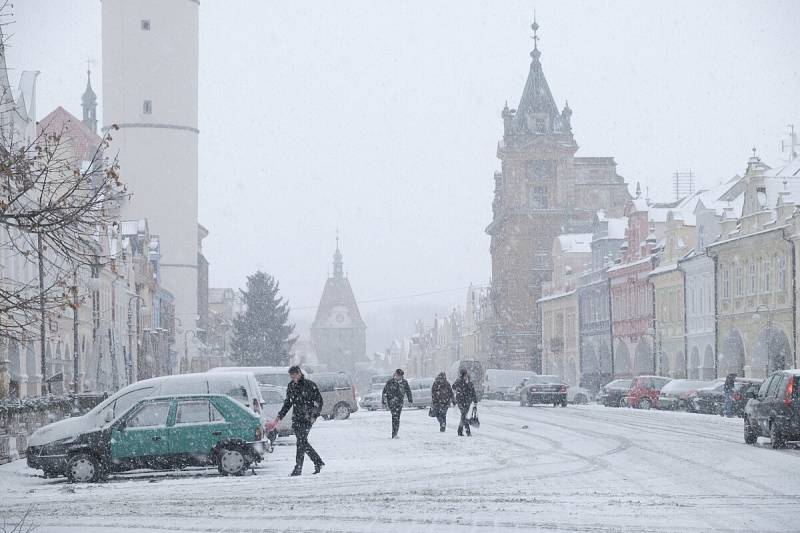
{"x":432,"y":412}
{"x":473,"y":419}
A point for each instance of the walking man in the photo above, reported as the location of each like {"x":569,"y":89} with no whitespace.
{"x":303,"y":395}
{"x":465,"y":396}
{"x":728,"y":389}
{"x":392,"y":397}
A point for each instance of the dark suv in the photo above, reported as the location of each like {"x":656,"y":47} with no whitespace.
{"x":775,"y":411}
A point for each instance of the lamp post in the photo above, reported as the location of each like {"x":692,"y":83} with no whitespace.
{"x":768,"y":327}
{"x":656,"y":335}
{"x":142,"y":308}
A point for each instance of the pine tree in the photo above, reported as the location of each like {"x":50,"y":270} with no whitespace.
{"x":262,"y":334}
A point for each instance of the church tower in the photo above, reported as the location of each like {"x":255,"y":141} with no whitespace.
{"x":338,"y":333}
{"x":150,"y":71}
{"x":543,"y":190}
{"x":89,"y":105}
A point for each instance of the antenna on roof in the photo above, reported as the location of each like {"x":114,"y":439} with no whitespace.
{"x":683,"y":184}
{"x":792,"y":145}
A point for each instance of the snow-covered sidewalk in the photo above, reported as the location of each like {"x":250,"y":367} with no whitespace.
{"x":580,"y":468}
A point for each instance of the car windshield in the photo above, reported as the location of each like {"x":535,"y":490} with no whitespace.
{"x":541,"y":380}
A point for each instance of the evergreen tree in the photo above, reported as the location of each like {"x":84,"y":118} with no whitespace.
{"x":262,"y":335}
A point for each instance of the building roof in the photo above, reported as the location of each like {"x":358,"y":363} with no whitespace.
{"x":575,"y":242}
{"x":84,"y":142}
{"x":338,"y":293}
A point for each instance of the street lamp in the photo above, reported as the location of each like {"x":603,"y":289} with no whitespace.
{"x":768,"y":327}
{"x":656,"y":335}
{"x":142,"y":309}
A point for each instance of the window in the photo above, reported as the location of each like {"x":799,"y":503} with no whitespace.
{"x":538,"y":198}
{"x":762,"y":392}
{"x":774,"y":385}
{"x":782,"y":273}
{"x":766,"y":270}
{"x":197,"y":412}
{"x":147,"y":107}
{"x":761,"y":196}
{"x":739,"y":280}
{"x":150,"y":415}
{"x":726,"y":283}
{"x":540,"y":125}
{"x":145,"y":25}
{"x":751,"y":278}
{"x":124,"y":402}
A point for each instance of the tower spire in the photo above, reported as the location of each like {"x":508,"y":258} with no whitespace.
{"x":535,"y":27}
{"x":89,"y":102}
{"x":338,"y":271}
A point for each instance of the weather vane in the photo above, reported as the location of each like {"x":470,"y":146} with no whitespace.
{"x":535,"y":28}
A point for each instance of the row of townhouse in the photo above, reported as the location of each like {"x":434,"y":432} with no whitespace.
{"x":116,"y":324}
{"x":696,"y":288}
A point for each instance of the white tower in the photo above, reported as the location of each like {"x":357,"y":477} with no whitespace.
{"x":150,"y":68}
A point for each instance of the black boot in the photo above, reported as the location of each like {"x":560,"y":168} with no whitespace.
{"x":318,"y":467}
{"x":441,"y":428}
{"x":296,"y":472}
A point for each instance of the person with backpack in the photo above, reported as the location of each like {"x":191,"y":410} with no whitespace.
{"x":441,"y":398}
{"x":465,"y":396}
{"x":392,"y":397}
{"x":728,"y":389}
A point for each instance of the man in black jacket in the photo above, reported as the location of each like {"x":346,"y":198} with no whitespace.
{"x":304,"y":396}
{"x":465,"y":396}
{"x":392,"y":397}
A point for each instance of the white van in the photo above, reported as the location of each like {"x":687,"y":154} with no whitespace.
{"x":241,"y":386}
{"x":277,"y":376}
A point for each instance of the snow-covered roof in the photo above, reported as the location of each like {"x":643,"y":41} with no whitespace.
{"x":575,"y":242}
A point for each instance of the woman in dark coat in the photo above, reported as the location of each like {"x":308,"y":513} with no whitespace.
{"x":465,"y":396}
{"x":441,"y":398}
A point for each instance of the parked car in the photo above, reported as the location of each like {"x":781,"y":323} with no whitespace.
{"x":159,"y":432}
{"x":338,"y":394}
{"x":711,"y":400}
{"x":265,"y":375}
{"x":372,"y":401}
{"x":543,"y":389}
{"x":420,"y":391}
{"x":611,"y":394}
{"x":502,"y":384}
{"x":578,"y":395}
{"x":774,"y":411}
{"x":645,"y":391}
{"x":241,"y":386}
{"x":675,"y":394}
{"x":704,"y":400}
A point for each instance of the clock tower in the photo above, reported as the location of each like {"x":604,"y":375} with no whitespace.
{"x":338,"y":333}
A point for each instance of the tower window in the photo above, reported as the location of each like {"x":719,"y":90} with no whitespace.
{"x":147,"y":107}
{"x":145,"y":24}
{"x":538,"y":198}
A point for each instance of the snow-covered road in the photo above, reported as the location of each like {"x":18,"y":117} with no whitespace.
{"x":580,"y":468}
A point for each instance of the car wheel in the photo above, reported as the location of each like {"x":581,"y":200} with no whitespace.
{"x":231,"y":461}
{"x":750,"y":436}
{"x":645,"y":403}
{"x":341,"y":412}
{"x":83,"y":468}
{"x":775,"y":437}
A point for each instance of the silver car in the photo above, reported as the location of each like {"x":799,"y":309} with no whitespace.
{"x":420,"y":391}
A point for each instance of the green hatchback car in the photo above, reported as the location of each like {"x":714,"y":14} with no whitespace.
{"x":164,"y":433}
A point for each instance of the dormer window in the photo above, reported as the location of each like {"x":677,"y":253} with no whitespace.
{"x":540,"y":124}
{"x":147,"y":107}
{"x":761,"y":197}
{"x":145,"y":25}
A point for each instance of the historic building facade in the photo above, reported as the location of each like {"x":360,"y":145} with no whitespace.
{"x":542,"y":190}
{"x":756,"y":295}
{"x":594,"y":302}
{"x":338,"y":333}
{"x":559,"y":307}
{"x":668,"y":290}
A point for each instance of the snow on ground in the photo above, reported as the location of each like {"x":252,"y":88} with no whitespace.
{"x":580,"y":468}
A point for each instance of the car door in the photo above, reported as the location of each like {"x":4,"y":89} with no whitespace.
{"x":777,"y":392}
{"x":199,"y":426}
{"x":141,"y":434}
{"x":759,"y":408}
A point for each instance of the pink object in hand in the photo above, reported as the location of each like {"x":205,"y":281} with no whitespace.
{"x":272,"y":424}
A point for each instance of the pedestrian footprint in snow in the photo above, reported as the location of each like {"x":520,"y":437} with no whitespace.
{"x":441,"y":398}
{"x":465,"y":396}
{"x":392,"y":397}
{"x":304,"y":396}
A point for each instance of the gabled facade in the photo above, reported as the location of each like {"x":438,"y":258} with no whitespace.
{"x":542,"y":190}
{"x":755,"y":258}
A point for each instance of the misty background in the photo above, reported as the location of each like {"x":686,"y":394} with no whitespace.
{"x":381,"y":119}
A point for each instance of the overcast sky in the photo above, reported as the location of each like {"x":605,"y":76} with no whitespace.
{"x":382,"y":118}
